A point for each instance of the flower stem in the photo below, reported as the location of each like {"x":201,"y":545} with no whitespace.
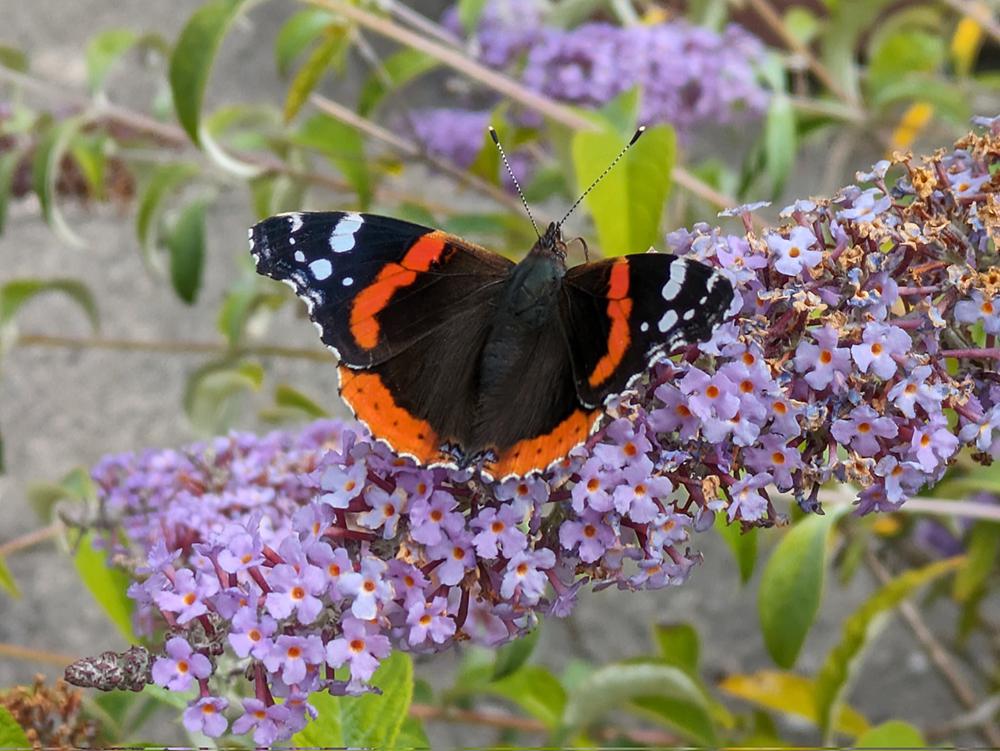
{"x":990,"y":353}
{"x":169,"y":347}
{"x":29,"y":539}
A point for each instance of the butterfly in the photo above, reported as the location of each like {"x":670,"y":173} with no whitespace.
{"x":456,"y":356}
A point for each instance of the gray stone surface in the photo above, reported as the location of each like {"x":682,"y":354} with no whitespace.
{"x":60,"y":408}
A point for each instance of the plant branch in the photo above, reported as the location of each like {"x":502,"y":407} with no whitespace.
{"x":28,"y":540}
{"x":936,"y":652}
{"x":171,"y":347}
{"x":17,"y":652}
{"x":502,"y":84}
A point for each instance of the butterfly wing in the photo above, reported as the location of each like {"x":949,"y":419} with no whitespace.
{"x":620,"y":314}
{"x":404,"y":307}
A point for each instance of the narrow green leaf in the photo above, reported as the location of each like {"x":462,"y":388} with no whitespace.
{"x":613,"y":685}
{"x":677,"y":644}
{"x":330,"y":52}
{"x":8,"y":164}
{"x":289,"y":398}
{"x":412,"y":735}
{"x":372,"y":721}
{"x":396,"y":71}
{"x":469,"y":12}
{"x":18,"y":292}
{"x":12,"y":735}
{"x":108,"y":586}
{"x":13,"y":58}
{"x":792,"y":585}
{"x":780,"y":141}
{"x":847,"y":21}
{"x":802,"y":24}
{"x":297,"y":33}
{"x":327,"y":730}
{"x":240,"y":306}
{"x":980,"y":563}
{"x":186,"y":243}
{"x":103,"y":51}
{"x":163,"y":183}
{"x":511,"y":657}
{"x":192,"y":58}
{"x":535,"y":690}
{"x":859,"y":629}
{"x":743,"y":545}
{"x":628,"y":204}
{"x":344,"y":147}
{"x":689,"y":720}
{"x":213,"y":394}
{"x":89,"y":154}
{"x":45,"y":171}
{"x":7,"y":582}
{"x":891,"y":734}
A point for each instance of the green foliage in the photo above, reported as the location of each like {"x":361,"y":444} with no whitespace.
{"x":891,"y":734}
{"x":186,"y":243}
{"x":162,"y":184}
{"x":344,"y":147}
{"x":45,"y":172}
{"x":329,"y":52}
{"x":297,"y":33}
{"x":214,"y":394}
{"x":7,"y":582}
{"x":511,"y":657}
{"x":12,"y":735}
{"x":397,"y":70}
{"x":107,"y":584}
{"x":17,"y":293}
{"x":743,"y":545}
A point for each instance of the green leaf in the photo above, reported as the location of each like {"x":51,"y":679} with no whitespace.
{"x":13,"y":58}
{"x":76,"y":485}
{"x":107,"y":584}
{"x":802,"y":24}
{"x":412,"y":735}
{"x":613,"y":685}
{"x":296,"y":34}
{"x":950,"y":101}
{"x":396,"y":71}
{"x":289,"y":398}
{"x":165,"y":182}
{"x":780,"y":141}
{"x":511,"y":657}
{"x":792,"y":585}
{"x":790,"y":694}
{"x":344,"y":147}
{"x":12,"y":735}
{"x":858,"y":631}
{"x":18,"y":292}
{"x":677,"y":645}
{"x":46,"y":168}
{"x":7,"y":581}
{"x":628,"y":204}
{"x":689,"y":720}
{"x":186,"y":244}
{"x":213,"y":394}
{"x":469,"y":12}
{"x":848,"y":20}
{"x":372,"y":721}
{"x":192,"y":58}
{"x":327,"y":730}
{"x":905,"y":52}
{"x":535,"y":690}
{"x":8,"y":164}
{"x":743,"y":545}
{"x":89,"y":154}
{"x":330,"y":51}
{"x":103,"y":51}
{"x":240,"y":306}
{"x":891,"y":734}
{"x":980,"y":563}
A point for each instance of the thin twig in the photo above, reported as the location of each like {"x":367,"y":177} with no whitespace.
{"x":412,"y":150}
{"x":936,"y":652}
{"x":978,"y":12}
{"x":504,"y":85}
{"x":17,"y":652}
{"x":170,"y":347}
{"x":29,"y":540}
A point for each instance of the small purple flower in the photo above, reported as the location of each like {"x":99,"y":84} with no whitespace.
{"x":674,"y":416}
{"x":429,"y":620}
{"x":870,"y":204}
{"x":878,"y":345}
{"x":796,"y":253}
{"x":824,"y":361}
{"x":292,"y":656}
{"x":333,"y":563}
{"x":523,"y":491}
{"x":242,"y":550}
{"x":188,"y":596}
{"x":456,"y":555}
{"x":710,"y":397}
{"x":432,"y":519}
{"x":933,"y":444}
{"x":250,"y":634}
{"x":369,"y":588}
{"x":982,"y":432}
{"x":498,"y":531}
{"x":594,"y":487}
{"x":294,"y":590}
{"x":775,"y":456}
{"x":181,"y":666}
{"x":667,"y":529}
{"x":748,"y":501}
{"x":360,"y":647}
{"x":862,"y":429}
{"x":626,"y":446}
{"x":914,"y":389}
{"x":591,"y":533}
{"x":343,"y":484}
{"x":269,"y":723}
{"x":524,"y":575}
{"x":785,"y":417}
{"x":980,"y":310}
{"x":385,"y":510}
{"x":206,"y":716}
{"x":899,"y":478}
{"x":635,"y":498}
{"x":965,"y":184}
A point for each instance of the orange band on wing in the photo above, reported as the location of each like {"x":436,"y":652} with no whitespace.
{"x":538,"y":453}
{"x":375,"y":406}
{"x":619,"y":337}
{"x":374,"y":298}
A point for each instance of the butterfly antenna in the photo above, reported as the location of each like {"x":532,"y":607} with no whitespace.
{"x":635,"y":137}
{"x":496,"y":140}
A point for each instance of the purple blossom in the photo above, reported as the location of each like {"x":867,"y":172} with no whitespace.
{"x":979,"y":309}
{"x":206,"y":716}
{"x":914,"y":389}
{"x":456,"y":556}
{"x":879,"y":344}
{"x":342,"y":483}
{"x":748,"y":500}
{"x":591,"y":534}
{"x":824,"y":361}
{"x":429,"y":620}
{"x":433,"y":519}
{"x":294,"y":590}
{"x":181,"y":666}
{"x":498,"y":531}
{"x":251,"y":633}
{"x":524,"y":576}
{"x":385,"y":510}
{"x":776,"y":457}
{"x":187,"y":599}
{"x":368,"y":588}
{"x":932,"y":444}
{"x":862,"y":429}
{"x":268,"y":723}
{"x":796,"y":253}
{"x":867,"y":206}
{"x":292,"y":656}
{"x":359,"y":648}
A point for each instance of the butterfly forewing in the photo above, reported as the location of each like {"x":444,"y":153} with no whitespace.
{"x":621,"y":313}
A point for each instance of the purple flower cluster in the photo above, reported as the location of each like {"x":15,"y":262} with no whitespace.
{"x":863,"y":352}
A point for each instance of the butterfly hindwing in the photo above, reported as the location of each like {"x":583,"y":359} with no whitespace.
{"x":374,"y":285}
{"x":620,"y":313}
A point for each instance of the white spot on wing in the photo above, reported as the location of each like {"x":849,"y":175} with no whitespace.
{"x":668,"y":321}
{"x":295,"y":219}
{"x":300,"y":256}
{"x":341,"y":243}
{"x":347,"y":281}
{"x":321,"y":269}
{"x":689,"y":315}
{"x":644,"y":327}
{"x":678,"y":270}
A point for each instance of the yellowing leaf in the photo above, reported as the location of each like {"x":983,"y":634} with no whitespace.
{"x":965,"y":44}
{"x":790,"y":694}
{"x":911,"y":124}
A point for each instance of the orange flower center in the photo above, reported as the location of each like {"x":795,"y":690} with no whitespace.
{"x":864,"y":427}
{"x":208,"y":709}
{"x":409,"y":581}
{"x":425,"y":620}
{"x":589,"y":530}
{"x":298,"y":593}
{"x":794,"y":252}
{"x":334,"y":570}
{"x":826,"y":357}
{"x":780,"y":407}
{"x":876,"y":349}
{"x":369,"y":585}
{"x":925,"y":440}
{"x":748,"y":359}
{"x":389,"y":510}
{"x":682,"y":410}
{"x":522,"y":569}
{"x":254,"y":634}
{"x":987,"y":308}
{"x":436,"y":515}
{"x":911,"y":389}
{"x":350,"y":485}
{"x":190,"y":598}
{"x":497,"y":527}
{"x":712,"y":392}
{"x":746,"y":387}
{"x":630,"y":449}
{"x":294,"y":653}
{"x":593,"y":484}
{"x":778,"y":458}
{"x":457,"y":553}
{"x":182,"y":666}
{"x":357,"y":645}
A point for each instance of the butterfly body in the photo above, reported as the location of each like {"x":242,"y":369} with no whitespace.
{"x":455,"y":355}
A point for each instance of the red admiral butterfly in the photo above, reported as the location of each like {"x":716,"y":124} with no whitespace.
{"x":455,"y":355}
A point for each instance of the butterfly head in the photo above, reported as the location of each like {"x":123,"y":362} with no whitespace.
{"x":551,"y":243}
